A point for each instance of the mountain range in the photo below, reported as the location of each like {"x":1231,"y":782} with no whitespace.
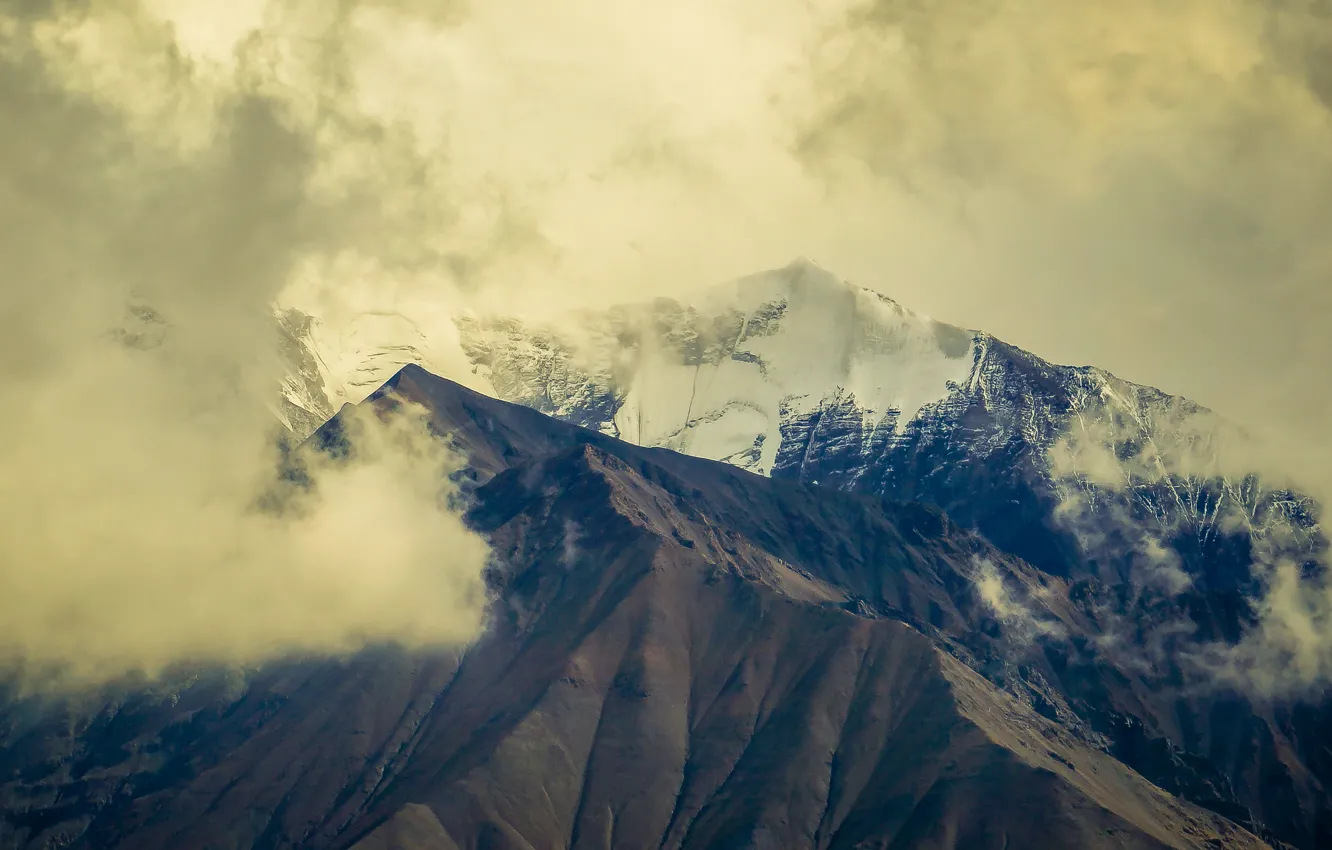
{"x":795,"y":373}
{"x":782,"y":564}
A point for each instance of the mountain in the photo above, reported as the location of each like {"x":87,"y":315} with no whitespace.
{"x":681,"y":654}
{"x":1123,"y":493}
{"x":795,"y":373}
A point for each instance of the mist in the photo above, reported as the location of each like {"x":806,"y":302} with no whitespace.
{"x":145,"y":241}
{"x":1136,"y":472}
{"x":1139,"y":186}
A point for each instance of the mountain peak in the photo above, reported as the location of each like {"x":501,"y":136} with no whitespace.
{"x":802,"y":281}
{"x":803,"y":265}
{"x":808,"y":276}
{"x":802,"y":284}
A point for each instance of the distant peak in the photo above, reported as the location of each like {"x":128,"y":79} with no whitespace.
{"x":804,"y":272}
{"x":801,"y":281}
{"x":803,"y":263}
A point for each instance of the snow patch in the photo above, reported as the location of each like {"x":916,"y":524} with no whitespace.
{"x":360,"y":354}
{"x":804,"y":338}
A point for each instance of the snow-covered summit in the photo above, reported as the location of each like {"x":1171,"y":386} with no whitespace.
{"x":718,"y":374}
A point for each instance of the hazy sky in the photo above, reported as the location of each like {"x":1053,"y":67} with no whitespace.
{"x":1140,"y":185}
{"x":1134,"y":184}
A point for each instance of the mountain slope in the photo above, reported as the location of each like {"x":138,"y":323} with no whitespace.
{"x":682,"y":655}
{"x":1130,"y":494}
{"x":1113,"y":659}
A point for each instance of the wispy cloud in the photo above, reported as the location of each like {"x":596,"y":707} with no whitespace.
{"x":1021,"y":615}
{"x":1143,"y":477}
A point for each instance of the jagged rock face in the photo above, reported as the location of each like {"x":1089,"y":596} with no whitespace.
{"x":682,"y":655}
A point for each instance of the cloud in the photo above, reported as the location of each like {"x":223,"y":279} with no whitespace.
{"x":1155,"y":176}
{"x":1142,"y":478}
{"x":151,"y":216}
{"x":1016,"y":614}
{"x":1120,"y":442}
{"x":569,"y":544}
{"x":1290,"y":650}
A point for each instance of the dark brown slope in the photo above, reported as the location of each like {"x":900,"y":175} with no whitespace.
{"x":682,"y":655}
{"x":414,"y":827}
{"x":708,"y":706}
{"x":704,"y":709}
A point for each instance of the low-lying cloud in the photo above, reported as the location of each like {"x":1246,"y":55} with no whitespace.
{"x":1022,"y":617}
{"x":148,"y":556}
{"x":150,"y":220}
{"x":1140,"y":475}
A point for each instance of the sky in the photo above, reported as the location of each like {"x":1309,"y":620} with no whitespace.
{"x":1136,"y":185}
